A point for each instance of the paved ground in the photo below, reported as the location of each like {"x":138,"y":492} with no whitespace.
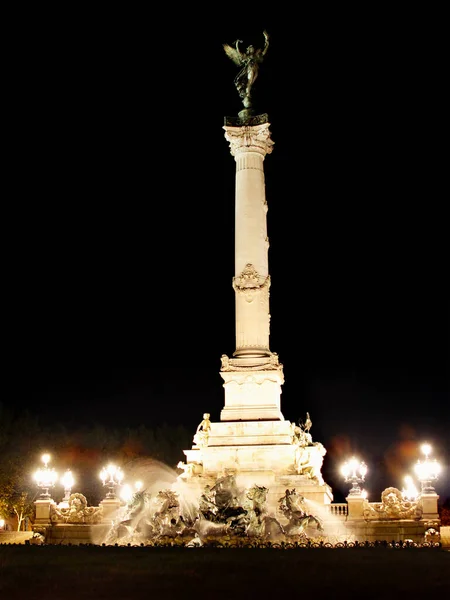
{"x":143,"y":573}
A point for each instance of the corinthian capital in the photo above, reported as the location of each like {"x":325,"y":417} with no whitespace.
{"x":249,"y":139}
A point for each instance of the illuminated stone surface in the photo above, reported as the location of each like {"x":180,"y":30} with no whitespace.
{"x":252,"y":439}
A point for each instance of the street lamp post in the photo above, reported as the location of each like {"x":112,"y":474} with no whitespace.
{"x":354,"y":472}
{"x":45,"y":478}
{"x":410,"y":491}
{"x":67,"y":481}
{"x":427,"y":471}
{"x":127,"y":494}
{"x":111,"y":477}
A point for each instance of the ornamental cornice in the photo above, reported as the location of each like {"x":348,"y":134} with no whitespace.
{"x":237,"y":365}
{"x":392,"y":506}
{"x":250,"y":377}
{"x":249,"y":139}
{"x":77,"y":511}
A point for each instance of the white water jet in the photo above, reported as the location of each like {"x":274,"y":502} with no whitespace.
{"x":168,"y":506}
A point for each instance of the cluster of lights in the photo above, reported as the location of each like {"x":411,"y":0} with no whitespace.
{"x":410,"y":492}
{"x":354,"y":472}
{"x":46,"y":477}
{"x":111,"y":476}
{"x":427,"y":471}
{"x":127,"y":493}
{"x":67,"y":481}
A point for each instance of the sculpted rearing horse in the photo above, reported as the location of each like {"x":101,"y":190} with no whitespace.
{"x":293,"y":507}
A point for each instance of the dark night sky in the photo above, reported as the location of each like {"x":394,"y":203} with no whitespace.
{"x":121,"y":224}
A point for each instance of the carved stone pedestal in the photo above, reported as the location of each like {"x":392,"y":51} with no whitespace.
{"x":110,"y":508}
{"x":356,"y":506}
{"x":430,"y":506}
{"x":265,"y":453}
{"x":43,"y":509}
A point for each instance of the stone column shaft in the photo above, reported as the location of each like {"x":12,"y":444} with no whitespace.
{"x":251,"y":243}
{"x":249,"y":145}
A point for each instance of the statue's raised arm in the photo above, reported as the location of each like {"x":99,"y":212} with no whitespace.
{"x":266,"y":44}
{"x":249,"y":62}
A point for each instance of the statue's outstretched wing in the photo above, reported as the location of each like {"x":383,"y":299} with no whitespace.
{"x":233,"y":54}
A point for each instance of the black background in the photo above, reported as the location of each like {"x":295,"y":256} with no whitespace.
{"x":119,"y":222}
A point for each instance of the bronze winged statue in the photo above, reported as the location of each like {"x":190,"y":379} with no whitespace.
{"x":249,"y":62}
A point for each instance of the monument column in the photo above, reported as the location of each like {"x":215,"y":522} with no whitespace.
{"x":253,"y":376}
{"x":253,"y":441}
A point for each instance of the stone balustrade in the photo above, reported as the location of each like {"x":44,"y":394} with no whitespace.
{"x":338,"y":509}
